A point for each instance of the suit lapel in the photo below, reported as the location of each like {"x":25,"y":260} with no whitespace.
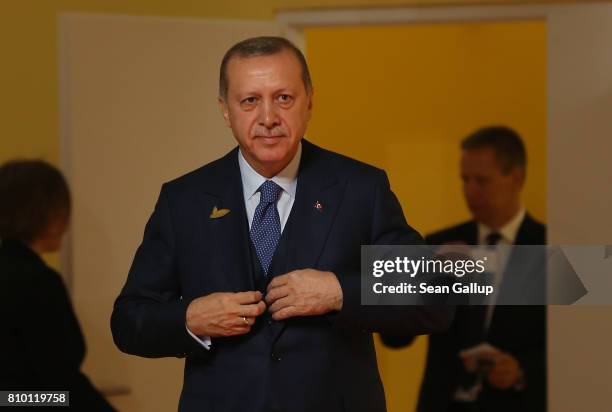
{"x":471,"y":233}
{"x":529,"y":233}
{"x":318,"y":197}
{"x":230,"y":232}
{"x":316,"y":204}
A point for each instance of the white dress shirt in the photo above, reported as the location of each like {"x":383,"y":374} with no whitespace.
{"x":286,"y":179}
{"x":251,"y":181}
{"x":508,"y":232}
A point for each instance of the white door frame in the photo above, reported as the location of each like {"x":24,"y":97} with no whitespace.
{"x":300,"y":19}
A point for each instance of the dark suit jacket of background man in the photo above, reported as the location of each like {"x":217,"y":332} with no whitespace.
{"x":519,"y":330}
{"x":316,"y":363}
{"x":41,"y":344}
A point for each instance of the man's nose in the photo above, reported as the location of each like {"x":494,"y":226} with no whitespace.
{"x":268,"y":115}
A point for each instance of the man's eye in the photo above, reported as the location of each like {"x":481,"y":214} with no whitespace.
{"x":249,"y":100}
{"x":284,"y":98}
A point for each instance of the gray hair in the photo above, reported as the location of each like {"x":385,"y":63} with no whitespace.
{"x":261,"y":46}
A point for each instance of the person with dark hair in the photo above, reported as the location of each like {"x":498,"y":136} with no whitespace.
{"x":41,"y":344}
{"x":512,"y":339}
{"x":250,"y":266}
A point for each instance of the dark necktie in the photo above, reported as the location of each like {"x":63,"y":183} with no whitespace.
{"x":266,"y":227}
{"x":493,"y":238}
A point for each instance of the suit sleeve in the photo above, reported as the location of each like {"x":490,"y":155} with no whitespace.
{"x":149,"y":315}
{"x":388,"y":227}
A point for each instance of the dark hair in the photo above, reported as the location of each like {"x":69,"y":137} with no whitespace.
{"x":32,"y":194}
{"x":261,"y":46}
{"x":506,"y":143}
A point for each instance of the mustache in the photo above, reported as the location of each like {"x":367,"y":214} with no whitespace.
{"x":263,"y":131}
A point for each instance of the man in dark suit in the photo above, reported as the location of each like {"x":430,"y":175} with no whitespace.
{"x":493,"y":166}
{"x":249,"y":266}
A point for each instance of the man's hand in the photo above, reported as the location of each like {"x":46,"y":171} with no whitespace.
{"x":303,"y":292}
{"x":224,"y":313}
{"x":506,"y":371}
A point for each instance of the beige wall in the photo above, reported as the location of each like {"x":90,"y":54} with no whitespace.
{"x":140,"y":108}
{"x":580,"y":197}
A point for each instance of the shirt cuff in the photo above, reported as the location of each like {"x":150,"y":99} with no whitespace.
{"x":202,"y":340}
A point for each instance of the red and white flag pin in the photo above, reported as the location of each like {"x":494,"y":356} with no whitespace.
{"x":318,"y":206}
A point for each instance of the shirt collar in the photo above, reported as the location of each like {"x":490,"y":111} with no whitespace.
{"x":508,"y":231}
{"x":286,"y":178}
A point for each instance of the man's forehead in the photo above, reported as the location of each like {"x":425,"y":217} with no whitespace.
{"x":484,"y":158}
{"x":282,"y":64}
{"x":480,"y":155}
{"x":284,"y":55}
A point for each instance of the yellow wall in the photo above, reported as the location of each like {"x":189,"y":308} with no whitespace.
{"x":28,"y":47}
{"x":402,"y":97}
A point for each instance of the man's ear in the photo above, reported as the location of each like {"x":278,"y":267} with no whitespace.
{"x":518,"y":174}
{"x":310,"y":95}
{"x":224,"y":111}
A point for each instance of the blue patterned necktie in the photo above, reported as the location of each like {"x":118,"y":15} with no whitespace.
{"x":266,"y":227}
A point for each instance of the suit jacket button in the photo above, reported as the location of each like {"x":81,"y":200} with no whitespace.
{"x":275,"y":357}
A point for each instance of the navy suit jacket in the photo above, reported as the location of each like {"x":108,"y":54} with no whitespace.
{"x":315,"y":363}
{"x":518,"y":330}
